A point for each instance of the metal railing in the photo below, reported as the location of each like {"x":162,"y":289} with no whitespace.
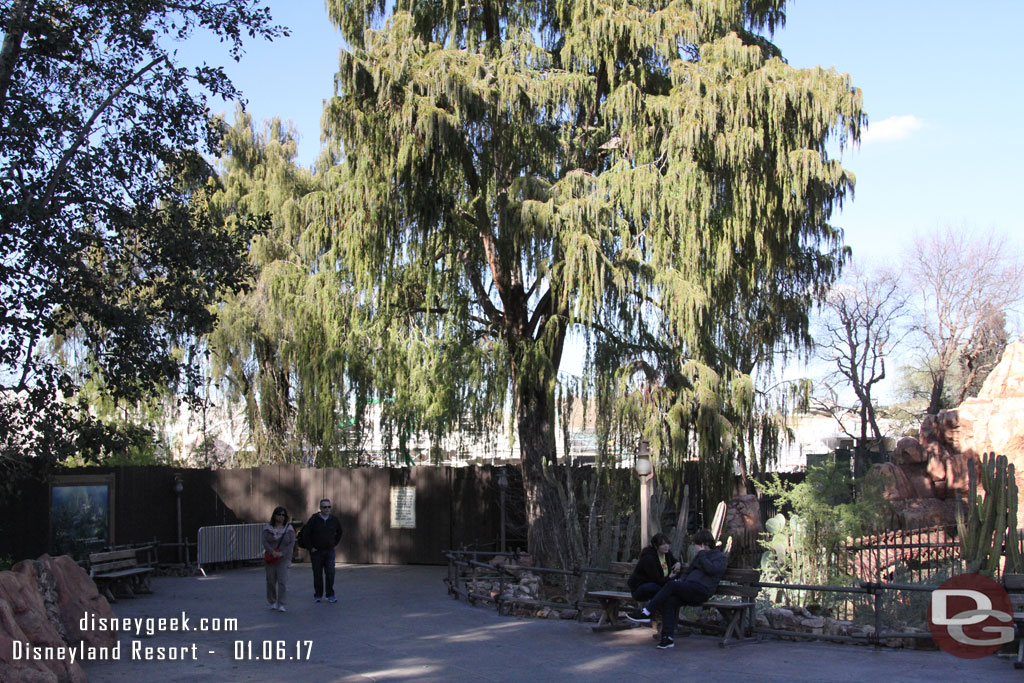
{"x":467,"y":568}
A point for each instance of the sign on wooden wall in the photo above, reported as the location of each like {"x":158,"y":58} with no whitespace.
{"x":403,"y":507}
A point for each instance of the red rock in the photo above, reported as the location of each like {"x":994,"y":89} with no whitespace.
{"x":25,"y":671}
{"x":937,"y":468}
{"x":31,"y":622}
{"x":949,"y":425}
{"x":908,"y":451}
{"x":927,"y":512}
{"x":919,"y":479}
{"x":929,"y":429}
{"x":77,"y":594}
{"x":892,"y":481}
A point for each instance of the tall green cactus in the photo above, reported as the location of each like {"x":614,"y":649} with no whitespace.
{"x":991,"y":522}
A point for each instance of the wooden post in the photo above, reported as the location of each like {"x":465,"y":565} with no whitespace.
{"x":645,"y":507}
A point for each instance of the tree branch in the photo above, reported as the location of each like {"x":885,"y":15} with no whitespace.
{"x":15,"y":33}
{"x":83,"y":134}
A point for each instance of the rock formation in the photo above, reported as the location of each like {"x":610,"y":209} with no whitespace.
{"x":42,"y":602}
{"x":928,"y":474}
{"x":993,"y":421}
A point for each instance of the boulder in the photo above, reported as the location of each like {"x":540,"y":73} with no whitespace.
{"x":949,"y":426}
{"x":993,"y":421}
{"x":24,"y":616}
{"x":26,"y":671}
{"x":782,"y":619}
{"x":927,"y":512}
{"x":72,"y":594}
{"x":891,"y":480}
{"x":917,"y":475}
{"x":908,"y":451}
{"x":812,"y":624}
{"x":929,"y":429}
{"x":936,"y":467}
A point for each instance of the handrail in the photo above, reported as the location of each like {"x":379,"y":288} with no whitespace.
{"x":458,"y":558}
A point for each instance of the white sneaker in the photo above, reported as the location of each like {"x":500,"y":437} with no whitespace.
{"x":280,"y":608}
{"x":274,"y":606}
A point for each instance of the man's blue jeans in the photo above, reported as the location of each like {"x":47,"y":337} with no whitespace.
{"x":323,"y":567}
{"x":669,"y":599}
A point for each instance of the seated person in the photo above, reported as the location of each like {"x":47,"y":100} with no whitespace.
{"x":698,"y":584}
{"x":654,"y":568}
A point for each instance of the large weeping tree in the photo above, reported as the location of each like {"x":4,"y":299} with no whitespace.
{"x":650,"y":174}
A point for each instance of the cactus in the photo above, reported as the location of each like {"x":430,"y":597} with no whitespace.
{"x":991,"y":521}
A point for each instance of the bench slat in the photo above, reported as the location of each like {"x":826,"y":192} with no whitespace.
{"x":112,"y":555}
{"x":123,"y":573}
{"x":109,"y":566}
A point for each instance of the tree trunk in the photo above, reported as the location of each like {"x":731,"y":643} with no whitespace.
{"x":535,"y":428}
{"x":935,"y":400}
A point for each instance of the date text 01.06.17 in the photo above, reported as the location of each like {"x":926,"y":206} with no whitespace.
{"x":272,"y":650}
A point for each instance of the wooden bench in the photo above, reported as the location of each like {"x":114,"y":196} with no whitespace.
{"x":119,"y":571}
{"x":734,"y":600}
{"x":1014,"y":585}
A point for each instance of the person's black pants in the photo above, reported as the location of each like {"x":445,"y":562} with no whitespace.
{"x":670,"y":598}
{"x":323,"y":568}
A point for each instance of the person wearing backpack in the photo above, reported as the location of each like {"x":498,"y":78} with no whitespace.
{"x":319,"y":536}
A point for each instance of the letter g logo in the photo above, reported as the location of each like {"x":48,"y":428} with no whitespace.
{"x":977,"y":603}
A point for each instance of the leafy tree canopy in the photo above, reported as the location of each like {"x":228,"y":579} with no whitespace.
{"x":105,"y":229}
{"x":652,"y":174}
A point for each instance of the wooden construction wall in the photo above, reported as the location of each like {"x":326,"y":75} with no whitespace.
{"x":455,"y":507}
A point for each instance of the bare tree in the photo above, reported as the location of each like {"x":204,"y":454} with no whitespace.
{"x":964,"y":282}
{"x":862,"y":323}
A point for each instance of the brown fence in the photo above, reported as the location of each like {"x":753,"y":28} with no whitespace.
{"x":454,"y":507}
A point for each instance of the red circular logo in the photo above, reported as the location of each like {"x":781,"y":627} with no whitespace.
{"x":970,"y":616}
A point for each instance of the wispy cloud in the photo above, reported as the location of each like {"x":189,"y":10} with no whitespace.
{"x":892,"y":128}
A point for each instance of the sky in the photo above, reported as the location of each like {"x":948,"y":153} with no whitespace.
{"x":940,"y":80}
{"x":941,"y":84}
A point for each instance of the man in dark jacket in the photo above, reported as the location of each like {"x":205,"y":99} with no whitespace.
{"x":319,"y":535}
{"x":697,"y":585}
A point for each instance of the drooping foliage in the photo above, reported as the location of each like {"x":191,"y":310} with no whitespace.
{"x":652,"y":174}
{"x":106,"y":237}
{"x":267,"y":337}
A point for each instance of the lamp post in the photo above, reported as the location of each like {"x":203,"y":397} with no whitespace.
{"x":179,"y":486}
{"x":644,"y":470}
{"x":502,"y":488}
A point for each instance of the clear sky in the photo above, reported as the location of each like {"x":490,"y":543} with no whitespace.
{"x":941,"y":81}
{"x":942,"y":89}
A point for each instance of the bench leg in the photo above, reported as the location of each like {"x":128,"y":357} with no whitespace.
{"x":142,"y":584}
{"x":609,"y":620}
{"x":103,"y":587}
{"x":735,"y":630}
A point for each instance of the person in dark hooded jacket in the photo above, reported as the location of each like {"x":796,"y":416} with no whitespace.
{"x":654,"y":568}
{"x":697,"y":585}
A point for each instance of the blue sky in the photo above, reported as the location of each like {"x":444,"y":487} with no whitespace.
{"x":941,"y":83}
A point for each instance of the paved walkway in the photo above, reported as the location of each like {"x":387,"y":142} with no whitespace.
{"x":398,"y":623}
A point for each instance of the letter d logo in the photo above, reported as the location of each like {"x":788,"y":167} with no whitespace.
{"x":968,"y":614}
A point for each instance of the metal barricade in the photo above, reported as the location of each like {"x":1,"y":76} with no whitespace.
{"x":228,"y":543}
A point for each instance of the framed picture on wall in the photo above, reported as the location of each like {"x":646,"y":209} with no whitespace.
{"x":81,"y":513}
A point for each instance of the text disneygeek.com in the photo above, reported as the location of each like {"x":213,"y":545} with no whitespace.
{"x":137,"y":650}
